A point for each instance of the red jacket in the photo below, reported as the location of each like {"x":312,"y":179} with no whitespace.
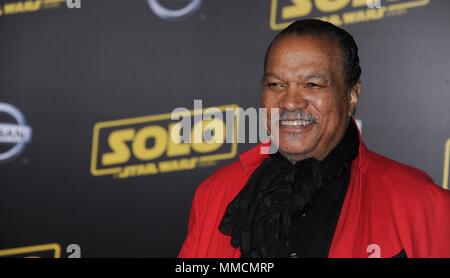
{"x":388,"y":207}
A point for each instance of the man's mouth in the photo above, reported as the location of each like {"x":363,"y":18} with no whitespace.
{"x":296,"y":123}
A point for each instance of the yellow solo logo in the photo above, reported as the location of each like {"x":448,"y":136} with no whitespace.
{"x":338,"y":12}
{"x":144,"y":146}
{"x":28,"y":6}
{"x":52,"y":250}
{"x":445,"y":175}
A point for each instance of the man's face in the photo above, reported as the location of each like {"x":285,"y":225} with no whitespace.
{"x":304,"y":79}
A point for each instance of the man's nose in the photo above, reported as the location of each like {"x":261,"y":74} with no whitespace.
{"x":293,"y":99}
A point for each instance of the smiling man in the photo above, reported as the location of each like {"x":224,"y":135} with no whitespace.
{"x":323,"y":194}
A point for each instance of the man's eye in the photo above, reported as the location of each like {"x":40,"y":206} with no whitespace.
{"x":274,"y":85}
{"x":312,"y":85}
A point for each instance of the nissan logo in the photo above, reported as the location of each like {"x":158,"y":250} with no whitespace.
{"x":14,"y":132}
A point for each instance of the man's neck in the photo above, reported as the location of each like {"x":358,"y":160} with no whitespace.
{"x":291,"y":158}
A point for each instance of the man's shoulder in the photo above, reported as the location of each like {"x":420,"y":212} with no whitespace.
{"x":393,"y":169}
{"x":223,"y":175}
{"x":396,"y":178}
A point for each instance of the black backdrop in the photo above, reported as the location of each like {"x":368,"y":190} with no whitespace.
{"x":67,"y":70}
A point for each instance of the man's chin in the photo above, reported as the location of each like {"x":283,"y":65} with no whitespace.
{"x":295,"y":151}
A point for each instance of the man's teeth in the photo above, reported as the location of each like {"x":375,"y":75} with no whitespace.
{"x":295,"y":122}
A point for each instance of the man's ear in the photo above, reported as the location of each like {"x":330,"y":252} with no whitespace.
{"x":353,"y":97}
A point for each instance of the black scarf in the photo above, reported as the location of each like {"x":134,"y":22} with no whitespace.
{"x":258,"y":219}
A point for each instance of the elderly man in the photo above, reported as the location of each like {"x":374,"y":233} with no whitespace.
{"x":323,"y":194}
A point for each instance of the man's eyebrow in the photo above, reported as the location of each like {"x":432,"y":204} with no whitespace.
{"x":308,"y":76}
{"x":269,"y":74}
{"x":317,"y":76}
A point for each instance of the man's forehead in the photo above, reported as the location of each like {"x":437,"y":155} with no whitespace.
{"x":304,"y":49}
{"x":321,"y":43}
{"x":303,"y":60}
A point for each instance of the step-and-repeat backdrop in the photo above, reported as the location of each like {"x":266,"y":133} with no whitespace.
{"x":87,"y":88}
